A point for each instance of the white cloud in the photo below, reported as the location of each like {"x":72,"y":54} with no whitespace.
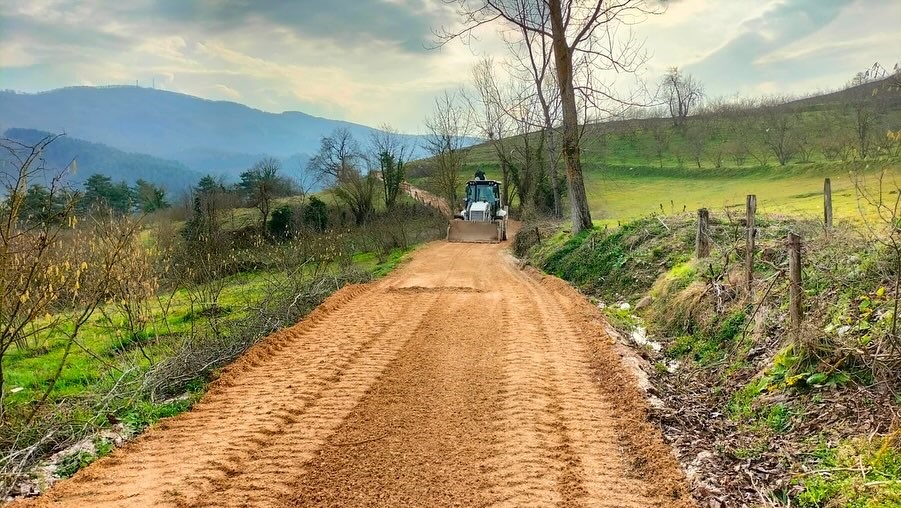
{"x":220,"y":90}
{"x":15,"y":55}
{"x":372,"y":68}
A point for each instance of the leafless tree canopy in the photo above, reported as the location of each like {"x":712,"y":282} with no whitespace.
{"x":681,"y":93}
{"x":338,"y":153}
{"x":586,"y":38}
{"x":447,"y":128}
{"x":596,"y":34}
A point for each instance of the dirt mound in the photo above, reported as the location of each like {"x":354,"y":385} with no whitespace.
{"x":439,"y":289}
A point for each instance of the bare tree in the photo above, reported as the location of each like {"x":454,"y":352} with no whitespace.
{"x":585,"y":38}
{"x":357,"y":191}
{"x":778,"y":130}
{"x":682,"y":93}
{"x":697,"y":134}
{"x":804,"y":140}
{"x":527,"y":160}
{"x":660,"y":135}
{"x":534,"y":55}
{"x":306,"y":181}
{"x":738,"y":151}
{"x":720,"y":116}
{"x":338,"y":153}
{"x":493,"y":117}
{"x":863,"y":120}
{"x":512,"y":118}
{"x":868,"y":97}
{"x":340,"y":159}
{"x":446,"y":140}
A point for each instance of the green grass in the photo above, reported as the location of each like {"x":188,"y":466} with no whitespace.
{"x":87,"y":368}
{"x":857,"y":473}
{"x":369,"y":261}
{"x":621,"y":194}
{"x":625,"y":179}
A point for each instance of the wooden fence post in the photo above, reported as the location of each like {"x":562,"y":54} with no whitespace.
{"x":751,"y":223}
{"x":702,"y":240}
{"x":827,"y":203}
{"x":794,"y":277}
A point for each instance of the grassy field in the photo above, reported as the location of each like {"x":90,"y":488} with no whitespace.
{"x":96,"y":361}
{"x":633,"y":168}
{"x":620,"y":194}
{"x":622,"y":183}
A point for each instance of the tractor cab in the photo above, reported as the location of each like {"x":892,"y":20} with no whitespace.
{"x":483,"y":200}
{"x":483,"y":218}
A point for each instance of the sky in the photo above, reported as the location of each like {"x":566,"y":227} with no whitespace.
{"x":374,"y":62}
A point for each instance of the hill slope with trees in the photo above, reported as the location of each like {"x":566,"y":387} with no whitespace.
{"x":97,"y":158}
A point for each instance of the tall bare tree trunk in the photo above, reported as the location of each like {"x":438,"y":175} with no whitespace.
{"x":581,"y":214}
{"x":551,"y":156}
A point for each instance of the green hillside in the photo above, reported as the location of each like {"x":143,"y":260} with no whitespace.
{"x":635,"y":167}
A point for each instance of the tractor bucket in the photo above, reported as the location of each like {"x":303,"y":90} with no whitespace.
{"x":474,"y":231}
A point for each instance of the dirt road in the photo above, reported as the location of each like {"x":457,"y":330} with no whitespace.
{"x":459,"y":380}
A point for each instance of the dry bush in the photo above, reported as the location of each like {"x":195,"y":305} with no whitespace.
{"x":401,"y":227}
{"x":530,"y":235}
{"x":288,"y":298}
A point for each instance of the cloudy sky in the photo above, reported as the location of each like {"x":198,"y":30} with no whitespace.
{"x":369,"y":61}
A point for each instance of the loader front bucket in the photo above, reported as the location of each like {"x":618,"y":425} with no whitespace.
{"x":474,"y":232}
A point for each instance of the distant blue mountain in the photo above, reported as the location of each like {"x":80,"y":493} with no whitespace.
{"x":218,"y":137}
{"x":98,"y":158}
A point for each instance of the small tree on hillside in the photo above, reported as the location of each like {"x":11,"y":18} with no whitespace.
{"x":392,"y":153}
{"x":863,"y":119}
{"x":697,"y":134}
{"x":150,"y":198}
{"x":101,"y":194}
{"x":778,"y":130}
{"x":261,"y":184}
{"x":659,"y":138}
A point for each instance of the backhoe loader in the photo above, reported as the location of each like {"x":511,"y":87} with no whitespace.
{"x":484,"y":215}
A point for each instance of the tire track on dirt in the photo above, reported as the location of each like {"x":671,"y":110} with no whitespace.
{"x":414,"y":439}
{"x":256,"y":477}
{"x":459,"y":380}
{"x":292,"y":381}
{"x":586,"y":421}
{"x":569,"y":454}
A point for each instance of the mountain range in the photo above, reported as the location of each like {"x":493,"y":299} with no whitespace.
{"x":186,"y":133}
